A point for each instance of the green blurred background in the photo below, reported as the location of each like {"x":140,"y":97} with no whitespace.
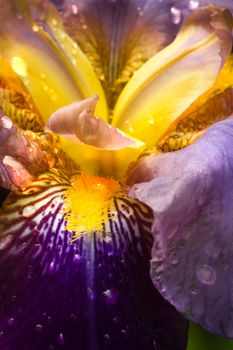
{"x":200,"y":339}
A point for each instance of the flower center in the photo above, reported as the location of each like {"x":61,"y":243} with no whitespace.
{"x":88,"y":203}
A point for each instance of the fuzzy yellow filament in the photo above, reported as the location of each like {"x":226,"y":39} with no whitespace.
{"x":88,"y":202}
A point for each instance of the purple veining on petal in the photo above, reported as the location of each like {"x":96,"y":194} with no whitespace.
{"x":93,"y":294}
{"x":118,"y":36}
{"x":191,"y":194}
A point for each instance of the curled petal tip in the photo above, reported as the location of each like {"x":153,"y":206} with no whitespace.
{"x":77,"y":122}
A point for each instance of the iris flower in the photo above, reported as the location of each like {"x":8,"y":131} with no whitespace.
{"x":116,"y":145}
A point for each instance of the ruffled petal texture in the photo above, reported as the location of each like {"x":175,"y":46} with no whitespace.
{"x":191,"y":194}
{"x":78,"y":123}
{"x":93,"y":294}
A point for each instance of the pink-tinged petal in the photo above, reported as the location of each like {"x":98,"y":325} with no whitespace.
{"x":191,"y":194}
{"x":23,"y":155}
{"x":78,"y":123}
{"x":93,"y":294}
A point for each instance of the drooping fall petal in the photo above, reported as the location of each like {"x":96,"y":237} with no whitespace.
{"x":78,"y":123}
{"x":93,"y":294}
{"x":191,"y":194}
{"x":166,"y":85}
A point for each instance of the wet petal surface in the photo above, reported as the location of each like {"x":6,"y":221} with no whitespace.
{"x":118,"y":36}
{"x":167,"y":84}
{"x":93,"y":294}
{"x":191,"y":194}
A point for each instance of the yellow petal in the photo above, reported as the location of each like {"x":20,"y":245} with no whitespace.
{"x":164,"y":87}
{"x":82,"y":71}
{"x":45,"y":70}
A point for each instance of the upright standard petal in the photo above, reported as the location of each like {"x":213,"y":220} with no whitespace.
{"x":93,"y":294}
{"x":49,"y":75}
{"x":191,"y":194}
{"x":165,"y":86}
{"x":118,"y":36}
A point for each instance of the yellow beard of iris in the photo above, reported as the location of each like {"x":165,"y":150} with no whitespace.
{"x":88,"y":202}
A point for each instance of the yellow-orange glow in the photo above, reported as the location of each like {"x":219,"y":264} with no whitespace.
{"x":88,"y":202}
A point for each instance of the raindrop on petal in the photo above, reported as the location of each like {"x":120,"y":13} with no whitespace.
{"x":193,"y":4}
{"x":206,"y":274}
{"x":61,"y":340}
{"x":176,"y":15}
{"x":110,"y":296}
{"x":19,"y":66}
{"x":39,"y":328}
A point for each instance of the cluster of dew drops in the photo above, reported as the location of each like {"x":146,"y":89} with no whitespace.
{"x":176,"y":10}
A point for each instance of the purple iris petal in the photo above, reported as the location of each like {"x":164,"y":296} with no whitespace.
{"x":191,"y":193}
{"x":93,"y":294}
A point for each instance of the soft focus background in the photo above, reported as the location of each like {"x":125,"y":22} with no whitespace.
{"x":200,"y":339}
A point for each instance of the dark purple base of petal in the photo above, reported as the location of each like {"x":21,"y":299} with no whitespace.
{"x":94,"y":294}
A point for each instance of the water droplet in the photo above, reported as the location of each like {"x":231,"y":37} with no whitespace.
{"x":74,"y":9}
{"x":28,"y":211}
{"x":35,"y":28}
{"x":6,"y":123}
{"x":128,"y":126}
{"x":61,"y":340}
{"x":45,"y":87}
{"x":163,"y":289}
{"x":11,"y":321}
{"x":213,"y":249}
{"x":52,"y":94}
{"x":176,"y":15}
{"x":206,"y":274}
{"x":52,"y":267}
{"x":150,"y":120}
{"x":77,"y":259}
{"x":42,"y":75}
{"x":193,"y":4}
{"x":107,"y":239}
{"x":39,"y":328}
{"x":73,"y":60}
{"x":110,"y":296}
{"x":19,"y":66}
{"x":140,"y":11}
{"x":54,"y":22}
{"x":102,"y":77}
